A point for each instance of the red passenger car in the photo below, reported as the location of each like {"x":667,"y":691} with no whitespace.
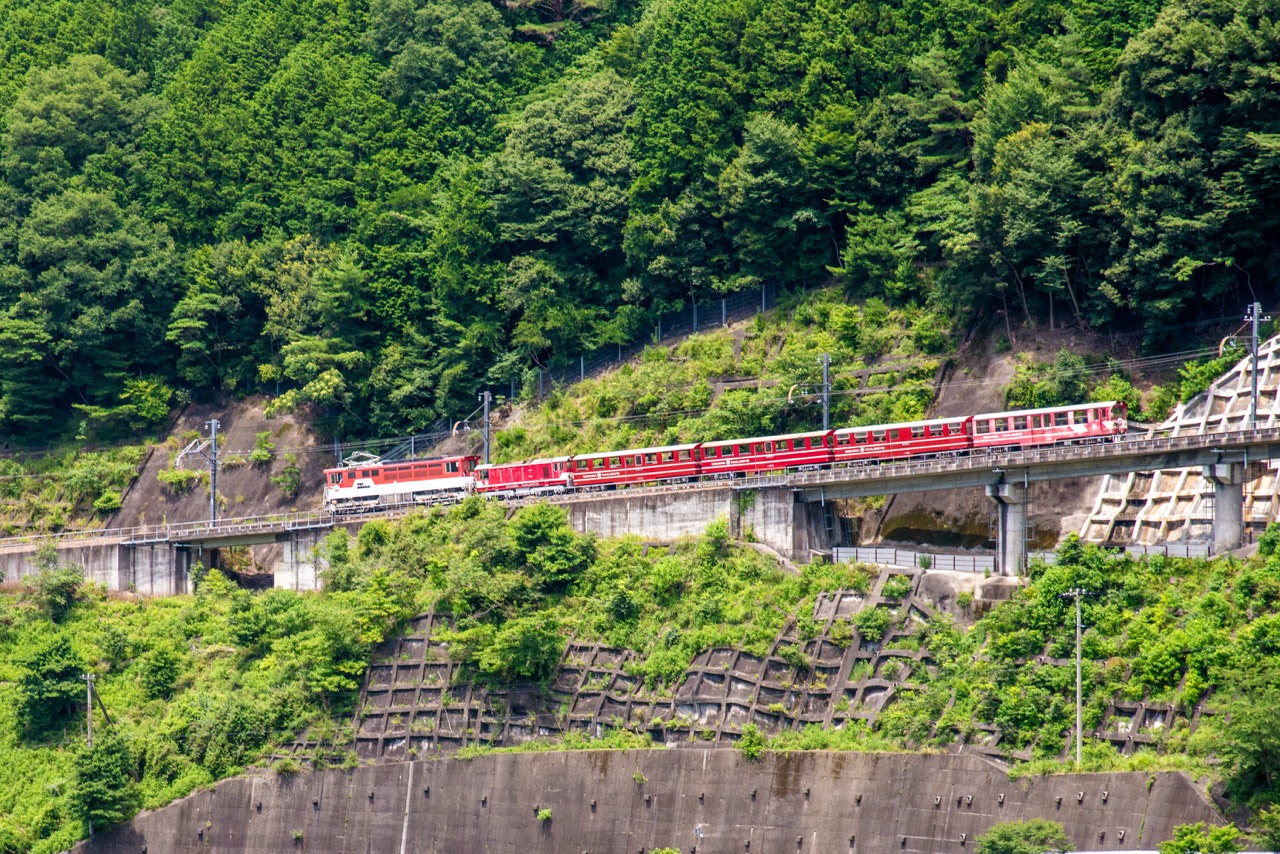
{"x":740,"y":457}
{"x":533,"y":477}
{"x":1024,"y":428}
{"x":645,"y":465}
{"x":938,"y":437}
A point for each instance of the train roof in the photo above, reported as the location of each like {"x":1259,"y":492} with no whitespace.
{"x":632,"y":451}
{"x":720,"y":442}
{"x":901,"y":424}
{"x":1048,"y":409}
{"x":538,"y":461}
{"x":380,"y":463}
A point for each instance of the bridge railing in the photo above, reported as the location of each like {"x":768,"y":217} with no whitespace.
{"x":986,"y":563}
{"x":1132,"y":445}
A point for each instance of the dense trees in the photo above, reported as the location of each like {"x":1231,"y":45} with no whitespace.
{"x":376,"y":209}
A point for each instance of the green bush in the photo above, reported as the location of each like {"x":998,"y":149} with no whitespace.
{"x":896,"y":588}
{"x":104,"y":790}
{"x":180,"y":481}
{"x":872,"y":623}
{"x":1036,"y":836}
{"x":108,"y":502}
{"x":263,"y":448}
{"x":752,"y":743}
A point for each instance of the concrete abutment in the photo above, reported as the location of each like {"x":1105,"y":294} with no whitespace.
{"x":771,"y":516}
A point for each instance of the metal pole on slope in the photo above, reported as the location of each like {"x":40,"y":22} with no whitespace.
{"x":212,"y":424}
{"x":88,"y":688}
{"x":1255,"y":315}
{"x":1076,"y":593}
{"x":485,"y":399}
{"x":826,"y":391}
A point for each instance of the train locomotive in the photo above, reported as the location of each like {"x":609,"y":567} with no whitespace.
{"x":365,"y":483}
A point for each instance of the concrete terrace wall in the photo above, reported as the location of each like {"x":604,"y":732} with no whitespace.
{"x":811,"y":802}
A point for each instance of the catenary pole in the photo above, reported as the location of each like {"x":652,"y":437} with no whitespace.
{"x":826,"y":391}
{"x":212,"y":424}
{"x":484,"y":397}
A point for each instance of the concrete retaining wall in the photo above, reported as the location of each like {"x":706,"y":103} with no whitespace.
{"x":770,"y":516}
{"x":694,"y":800}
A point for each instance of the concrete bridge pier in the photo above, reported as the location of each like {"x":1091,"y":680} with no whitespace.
{"x":1011,"y":527}
{"x":299,"y":569}
{"x":1228,"y":504}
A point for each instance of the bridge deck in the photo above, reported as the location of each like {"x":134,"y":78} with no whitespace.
{"x":1136,"y":452}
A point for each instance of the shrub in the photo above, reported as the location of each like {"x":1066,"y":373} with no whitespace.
{"x":1199,"y":839}
{"x":872,"y":623}
{"x":50,"y":686}
{"x":752,"y":743}
{"x":108,"y":502}
{"x":1036,"y":836}
{"x":290,"y":478}
{"x":179,"y":481}
{"x":103,"y":790}
{"x":55,"y":588}
{"x":263,"y":448}
{"x":794,"y":655}
{"x":897,"y":588}
{"x":544,"y":815}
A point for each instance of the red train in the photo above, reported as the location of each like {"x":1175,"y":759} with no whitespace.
{"x":367,"y":484}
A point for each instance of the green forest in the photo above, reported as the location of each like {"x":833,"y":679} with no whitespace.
{"x":376,"y":208}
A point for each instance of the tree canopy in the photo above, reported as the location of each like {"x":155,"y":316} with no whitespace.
{"x":375,"y":210}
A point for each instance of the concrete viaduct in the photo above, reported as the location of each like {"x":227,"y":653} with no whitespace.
{"x":787,"y":512}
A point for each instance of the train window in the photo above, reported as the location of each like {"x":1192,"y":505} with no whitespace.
{"x":743,"y":450}
{"x":364,"y":473}
{"x":451,"y":467}
{"x":615,"y":462}
{"x":1060,"y":419}
{"x":373,"y":473}
{"x":666,"y":456}
{"x":842,"y":439}
{"x":335,"y":478}
{"x":981,"y":427}
{"x":1020,"y":422}
{"x":877,"y":435}
{"x":768,"y":447}
{"x":683,"y":455}
{"x":860,"y":438}
{"x":917,"y":432}
{"x":1080,"y":416}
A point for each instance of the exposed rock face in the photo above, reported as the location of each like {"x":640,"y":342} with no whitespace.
{"x":713,"y":799}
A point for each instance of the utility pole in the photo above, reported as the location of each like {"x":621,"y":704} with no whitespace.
{"x":1076,"y":593}
{"x":212,"y":424}
{"x":826,"y":391}
{"x":484,"y":398}
{"x":1254,"y":315}
{"x":88,"y":687}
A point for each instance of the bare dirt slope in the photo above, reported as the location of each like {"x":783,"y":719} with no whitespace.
{"x":245,"y":489}
{"x":962,"y":518}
